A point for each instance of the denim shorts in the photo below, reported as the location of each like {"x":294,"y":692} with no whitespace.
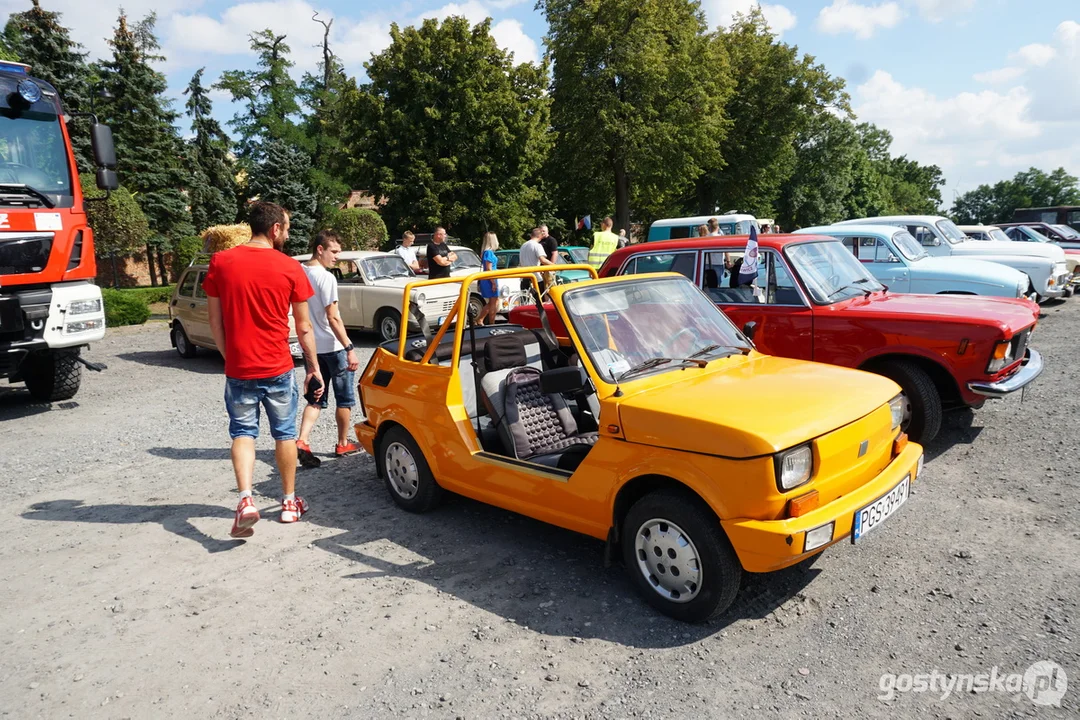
{"x":279,"y":395}
{"x":334,"y":367}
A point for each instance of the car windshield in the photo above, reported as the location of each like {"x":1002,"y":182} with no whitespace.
{"x":1035,"y":235}
{"x":466,"y":259}
{"x":627,"y":326}
{"x":830,"y":272}
{"x":952,"y":233}
{"x":32,"y":153}
{"x":390,"y":266}
{"x":1066,"y":231}
{"x":999,"y":234}
{"x":908,"y":246}
{"x":579,"y":255}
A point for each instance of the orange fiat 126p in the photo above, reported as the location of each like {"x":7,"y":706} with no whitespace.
{"x":655,"y":426}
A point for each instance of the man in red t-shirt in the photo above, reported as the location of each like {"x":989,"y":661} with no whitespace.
{"x":250,"y":289}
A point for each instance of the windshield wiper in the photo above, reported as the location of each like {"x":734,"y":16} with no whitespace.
{"x":27,"y":191}
{"x":657,"y":362}
{"x":714,"y":346}
{"x":853,"y":286}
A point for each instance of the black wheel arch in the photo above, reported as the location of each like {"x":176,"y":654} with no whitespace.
{"x":941,"y":377}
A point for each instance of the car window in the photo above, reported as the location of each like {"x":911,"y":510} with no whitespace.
{"x":187,"y":283}
{"x":681,"y":262}
{"x":200,"y":292}
{"x":923,"y":235}
{"x":386,"y":266}
{"x":774,"y":285}
{"x":349,"y":272}
{"x":874,"y":250}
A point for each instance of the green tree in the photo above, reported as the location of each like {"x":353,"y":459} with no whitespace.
{"x":36,"y":37}
{"x":451,"y":131}
{"x":638,"y":94}
{"x":119,"y":225}
{"x":268,"y":95}
{"x":281,"y":177}
{"x":147,"y":142}
{"x":778,"y":95}
{"x":827,"y":156}
{"x":212,"y":188}
{"x":359,"y":228}
{"x":1028,"y":188}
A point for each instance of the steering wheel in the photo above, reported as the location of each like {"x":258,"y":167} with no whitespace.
{"x":681,"y":344}
{"x":12,"y":170}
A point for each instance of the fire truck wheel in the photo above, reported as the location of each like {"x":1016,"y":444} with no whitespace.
{"x":53,"y":375}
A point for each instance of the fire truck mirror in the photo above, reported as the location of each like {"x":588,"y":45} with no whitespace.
{"x":107,"y":179}
{"x":101,"y":140}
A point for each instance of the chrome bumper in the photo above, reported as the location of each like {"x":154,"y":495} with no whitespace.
{"x":1030,"y":369}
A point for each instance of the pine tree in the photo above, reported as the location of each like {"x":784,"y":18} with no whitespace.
{"x":147,"y":143}
{"x":281,"y":178}
{"x":37,"y":38}
{"x":212,"y":189}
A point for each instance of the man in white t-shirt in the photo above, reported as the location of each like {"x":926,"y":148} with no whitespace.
{"x":337,"y":358}
{"x":532,"y":254}
{"x":406,"y":252}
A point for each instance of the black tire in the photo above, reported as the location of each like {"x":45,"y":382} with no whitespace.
{"x":388,"y":324}
{"x":53,"y":375}
{"x":719,"y":569}
{"x":476,"y":306}
{"x":182,"y":342}
{"x":412,"y":488}
{"x":922,"y":395}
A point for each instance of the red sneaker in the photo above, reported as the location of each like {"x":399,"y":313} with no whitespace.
{"x":307,"y":458}
{"x":246,"y":517}
{"x":291,"y":510}
{"x":346,"y":449}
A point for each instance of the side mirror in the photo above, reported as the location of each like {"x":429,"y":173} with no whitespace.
{"x":564,"y":380}
{"x":107,"y":179}
{"x":101,"y":140}
{"x":892,"y":258}
{"x":749,"y":329}
{"x":935,"y":242}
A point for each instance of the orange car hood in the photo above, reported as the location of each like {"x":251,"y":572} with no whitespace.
{"x":748,"y":406}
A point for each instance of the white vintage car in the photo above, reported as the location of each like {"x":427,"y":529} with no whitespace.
{"x":468,"y":263}
{"x":370,"y":293}
{"x":1043,"y":264}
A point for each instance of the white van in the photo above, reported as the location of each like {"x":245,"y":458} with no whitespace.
{"x":687,"y":227}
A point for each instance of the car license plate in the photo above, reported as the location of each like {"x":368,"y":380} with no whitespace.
{"x":877,"y":512}
{"x":295,"y":349}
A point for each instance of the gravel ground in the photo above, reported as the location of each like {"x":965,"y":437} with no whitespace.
{"x":126,"y":598}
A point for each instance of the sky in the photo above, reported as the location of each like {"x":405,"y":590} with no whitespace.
{"x":982,"y":88}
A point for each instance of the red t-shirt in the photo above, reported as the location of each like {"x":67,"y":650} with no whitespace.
{"x":256,"y":287}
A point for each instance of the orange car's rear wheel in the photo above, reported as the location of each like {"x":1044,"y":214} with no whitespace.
{"x":678,"y":556}
{"x":406,"y":473}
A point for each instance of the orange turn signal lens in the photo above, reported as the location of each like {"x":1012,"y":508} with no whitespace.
{"x":1000,"y":350}
{"x":799,"y":506}
{"x":899,"y":443}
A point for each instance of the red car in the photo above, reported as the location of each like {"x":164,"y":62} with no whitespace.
{"x":812,"y":300}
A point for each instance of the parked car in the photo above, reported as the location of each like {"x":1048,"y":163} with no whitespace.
{"x":822,"y":304}
{"x":1062,"y":235}
{"x":694,"y":456}
{"x":1027,"y":233}
{"x":893,"y":256}
{"x":370,"y":292}
{"x":687,"y":227}
{"x":1043,"y":264}
{"x":189,"y":315}
{"x":568,"y":254}
{"x":984,"y":232}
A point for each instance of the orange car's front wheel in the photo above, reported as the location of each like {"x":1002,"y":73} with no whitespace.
{"x":678,"y":556}
{"x":406,"y":472}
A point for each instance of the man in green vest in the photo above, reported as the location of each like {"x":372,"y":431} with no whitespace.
{"x":604,"y":243}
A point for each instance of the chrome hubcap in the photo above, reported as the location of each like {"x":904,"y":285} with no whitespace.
{"x":905,"y":422}
{"x":401,"y":469}
{"x":389,"y":328}
{"x":668,"y":559}
{"x":181,"y":343}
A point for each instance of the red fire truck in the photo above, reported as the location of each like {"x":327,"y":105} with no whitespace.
{"x":50,"y":308}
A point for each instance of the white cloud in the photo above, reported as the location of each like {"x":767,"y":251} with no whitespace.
{"x":938,"y":10}
{"x":1036,"y":54}
{"x":471,"y":10}
{"x":862,"y":21}
{"x":999,"y":76}
{"x":510,"y":35}
{"x":721,"y":12}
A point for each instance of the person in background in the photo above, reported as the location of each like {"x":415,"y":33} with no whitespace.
{"x":406,"y":252}
{"x":605,"y":242}
{"x":489,"y":289}
{"x":532,"y":254}
{"x":250,"y":289}
{"x":714,"y":227}
{"x":702,"y":230}
{"x":623,"y":241}
{"x":776,"y":229}
{"x":551,"y":250}
{"x":334,"y":351}
{"x":439,"y":256}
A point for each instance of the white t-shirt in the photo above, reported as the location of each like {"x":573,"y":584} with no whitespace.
{"x":530,"y":254}
{"x":326,"y":293}
{"x":407,"y":254}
